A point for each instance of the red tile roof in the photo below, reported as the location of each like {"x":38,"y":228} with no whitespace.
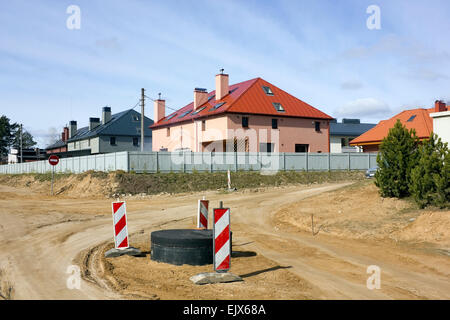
{"x":248,"y":97}
{"x":420,"y":120}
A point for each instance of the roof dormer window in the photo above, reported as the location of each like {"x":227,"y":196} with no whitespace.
{"x":278,"y":106}
{"x":170,"y":117}
{"x":197,"y":111}
{"x":217,"y":106}
{"x":184,"y":114}
{"x":267,"y":90}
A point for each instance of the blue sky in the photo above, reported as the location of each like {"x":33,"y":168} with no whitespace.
{"x":320,"y":51}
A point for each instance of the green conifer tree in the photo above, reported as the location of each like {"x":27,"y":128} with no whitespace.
{"x":430,"y":177}
{"x":396,"y":158}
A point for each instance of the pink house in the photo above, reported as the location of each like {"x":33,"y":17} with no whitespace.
{"x":249,"y":116}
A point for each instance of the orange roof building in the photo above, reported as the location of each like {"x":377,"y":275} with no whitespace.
{"x":252,"y":116}
{"x":418,"y":119}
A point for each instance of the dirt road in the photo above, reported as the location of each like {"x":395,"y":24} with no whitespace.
{"x":42,"y":236}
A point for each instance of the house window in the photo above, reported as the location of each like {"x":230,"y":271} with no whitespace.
{"x":184,"y":114}
{"x":301,"y":148}
{"x":266,"y":147}
{"x":171,"y":116}
{"x":198,"y":110}
{"x":317,"y":125}
{"x":245,"y":122}
{"x":267,"y":91}
{"x":203,"y":125}
{"x":112,"y":141}
{"x":135,"y":142}
{"x":278,"y":106}
{"x":232,"y":90}
{"x":411,"y":118}
{"x":168,"y":132}
{"x":135,"y":118}
{"x":344,"y":142}
{"x":217,"y":106}
{"x":274,"y":123}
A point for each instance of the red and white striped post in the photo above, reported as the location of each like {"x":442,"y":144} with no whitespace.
{"x":119,"y":211}
{"x":222,"y":244}
{"x":202,"y":217}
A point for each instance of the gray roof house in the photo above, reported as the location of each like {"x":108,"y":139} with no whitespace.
{"x":113,"y":133}
{"x":342,"y":133}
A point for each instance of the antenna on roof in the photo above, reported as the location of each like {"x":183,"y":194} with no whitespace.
{"x":221,"y":71}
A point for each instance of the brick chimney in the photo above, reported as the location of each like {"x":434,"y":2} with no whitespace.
{"x":72,"y":128}
{"x":439,"y":106}
{"x":65,"y":134}
{"x":106,"y":114}
{"x":222,"y":86}
{"x":159,"y":109}
{"x":93,"y":123}
{"x":200,"y":97}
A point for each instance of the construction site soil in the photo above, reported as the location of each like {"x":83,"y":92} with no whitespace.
{"x":296,"y":241}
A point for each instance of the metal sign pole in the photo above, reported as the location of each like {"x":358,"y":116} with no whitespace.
{"x":53,"y":172}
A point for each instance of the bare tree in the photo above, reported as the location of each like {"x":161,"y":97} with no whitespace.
{"x":53,"y":135}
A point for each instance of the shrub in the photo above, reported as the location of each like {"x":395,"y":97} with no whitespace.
{"x":396,"y":158}
{"x":430,"y":177}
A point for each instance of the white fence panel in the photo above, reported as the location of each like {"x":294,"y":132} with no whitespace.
{"x":152,"y":162}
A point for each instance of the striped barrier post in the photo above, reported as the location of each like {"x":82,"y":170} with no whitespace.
{"x":221,"y":244}
{"x":202,"y":218}
{"x":120,"y":225}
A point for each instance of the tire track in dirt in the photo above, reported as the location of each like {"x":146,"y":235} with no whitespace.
{"x":338,"y":266}
{"x":39,"y":256}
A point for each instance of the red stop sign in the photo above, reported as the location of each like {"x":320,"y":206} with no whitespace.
{"x":53,"y":160}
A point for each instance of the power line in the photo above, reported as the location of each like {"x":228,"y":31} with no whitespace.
{"x":137,"y":103}
{"x":166,"y":105}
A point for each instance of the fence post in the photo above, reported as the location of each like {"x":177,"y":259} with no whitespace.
{"x":348,"y":154}
{"x":284,"y":161}
{"x":306,"y":160}
{"x":235,"y":162}
{"x":210,"y":162}
{"x":329,"y":160}
{"x":368,"y":161}
{"x":260,"y":161}
{"x":157,"y":161}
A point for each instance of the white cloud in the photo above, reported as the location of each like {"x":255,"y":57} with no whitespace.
{"x":364,"y":107}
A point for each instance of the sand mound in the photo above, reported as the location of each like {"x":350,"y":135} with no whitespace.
{"x":433,"y":226}
{"x":358,"y":212}
{"x":86,"y":185}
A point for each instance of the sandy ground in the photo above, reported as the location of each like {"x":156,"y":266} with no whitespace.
{"x":275,"y":250}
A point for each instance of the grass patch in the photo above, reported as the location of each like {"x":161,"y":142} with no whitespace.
{"x":155,"y":183}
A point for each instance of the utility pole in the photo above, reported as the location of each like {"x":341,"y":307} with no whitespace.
{"x":142,"y":118}
{"x":21,"y":143}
